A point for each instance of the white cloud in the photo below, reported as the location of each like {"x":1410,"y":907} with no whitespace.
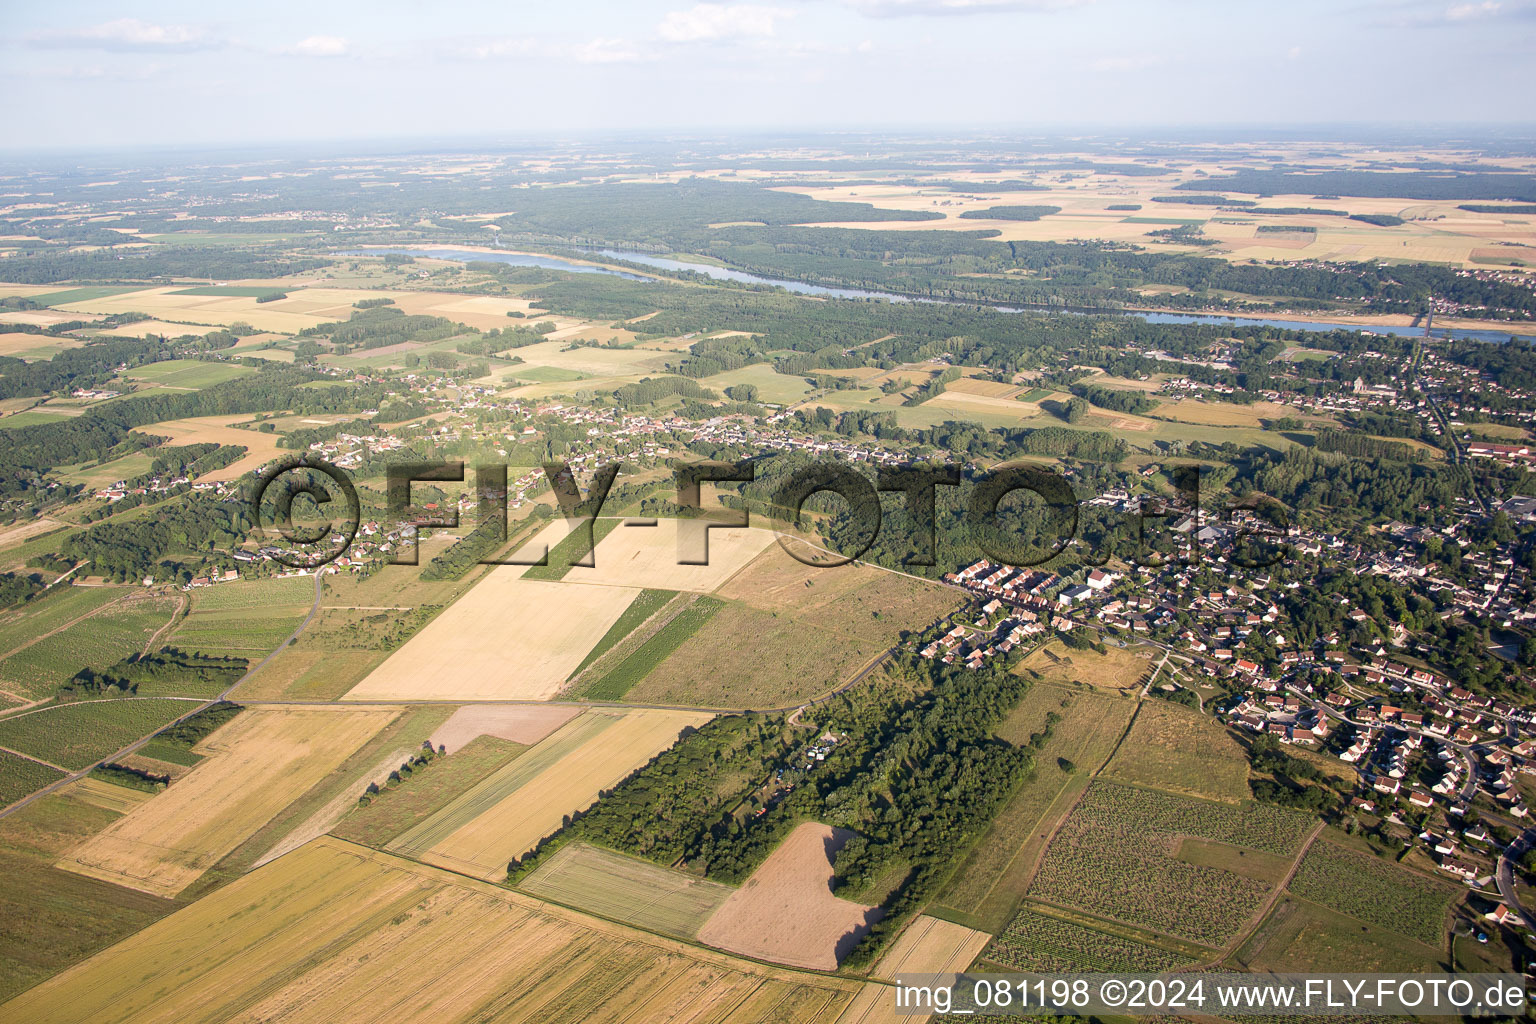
{"x":1468,"y":12}
{"x":891,"y":8}
{"x":720,"y":21}
{"x":321,"y":46}
{"x":605,"y":51}
{"x":130,"y":35}
{"x":496,"y":49}
{"x":1294,"y":53}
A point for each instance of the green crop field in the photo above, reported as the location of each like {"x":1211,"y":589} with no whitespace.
{"x":232,"y":290}
{"x":105,"y":638}
{"x":188,"y":373}
{"x":237,"y":630}
{"x":1375,"y":891}
{"x":424,"y":793}
{"x":1112,"y":858}
{"x":27,"y":419}
{"x":626,"y":889}
{"x":25,"y":625}
{"x":546,"y":374}
{"x":645,"y":604}
{"x":1301,"y":936}
{"x":502,"y":784}
{"x":654,"y":651}
{"x":20,"y":776}
{"x":54,"y":918}
{"x":572,"y":548}
{"x":292,"y":591}
{"x":988,"y":885}
{"x":772,"y":387}
{"x":75,"y":735}
{"x":85,"y":294}
{"x":1035,"y":941}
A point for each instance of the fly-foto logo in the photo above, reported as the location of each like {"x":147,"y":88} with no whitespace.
{"x":1053,"y":518}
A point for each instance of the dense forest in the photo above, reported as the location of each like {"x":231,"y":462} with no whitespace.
{"x":915,"y":772}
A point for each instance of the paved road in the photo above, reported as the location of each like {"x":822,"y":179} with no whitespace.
{"x":1468,"y":788}
{"x":1505,"y":875}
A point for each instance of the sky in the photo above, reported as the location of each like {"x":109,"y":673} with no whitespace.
{"x":90,"y":75}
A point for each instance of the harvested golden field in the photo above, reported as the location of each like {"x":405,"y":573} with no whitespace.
{"x":785,"y":911}
{"x":1225,"y":414}
{"x":646,"y":557}
{"x":260,"y":448}
{"x":18,"y":344}
{"x":335,"y":933}
{"x":508,"y":639}
{"x":932,"y":946}
{"x":506,"y":815}
{"x":1118,"y":668}
{"x":627,"y":890}
{"x":1177,"y":749}
{"x":521,"y":723}
{"x":105,"y":795}
{"x":984,"y":388}
{"x":256,"y":765}
{"x":165,"y":329}
{"x":284,"y":316}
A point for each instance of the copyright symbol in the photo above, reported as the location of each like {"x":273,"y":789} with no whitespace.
{"x":1112,"y":993}
{"x":307,"y":475}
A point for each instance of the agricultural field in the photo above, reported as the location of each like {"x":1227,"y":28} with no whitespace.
{"x":1176,"y":748}
{"x":615,"y":672}
{"x":931,"y":946}
{"x":76,"y":735}
{"x":646,"y":557}
{"x":20,"y":345}
{"x":990,"y":882}
{"x":508,"y":813}
{"x":287,"y":592}
{"x":1035,"y":941}
{"x":773,"y":388}
{"x":1118,"y":668}
{"x":255,"y":766}
{"x":260,"y":448}
{"x":739,"y":657}
{"x":61,"y":607}
{"x":336,"y":932}
{"x":93,"y":791}
{"x":112,"y":632}
{"x":1375,"y":891}
{"x":626,"y":889}
{"x":423,"y":794}
{"x":508,"y":638}
{"x":1114,"y":858}
{"x":645,"y":604}
{"x":1301,"y":936}
{"x":526,"y":724}
{"x":857,"y":600}
{"x":54,"y":918}
{"x":785,"y":912}
{"x":187,"y":374}
{"x":246,"y":632}
{"x":20,"y":776}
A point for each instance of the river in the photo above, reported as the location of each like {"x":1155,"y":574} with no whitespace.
{"x":709,"y":270}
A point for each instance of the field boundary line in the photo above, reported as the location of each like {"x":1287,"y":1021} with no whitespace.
{"x":1256,"y":919}
{"x":203,"y":705}
{"x":29,"y":757}
{"x":59,"y":629}
{"x":183,"y":603}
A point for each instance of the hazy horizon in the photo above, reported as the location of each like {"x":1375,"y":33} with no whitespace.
{"x":176,"y":75}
